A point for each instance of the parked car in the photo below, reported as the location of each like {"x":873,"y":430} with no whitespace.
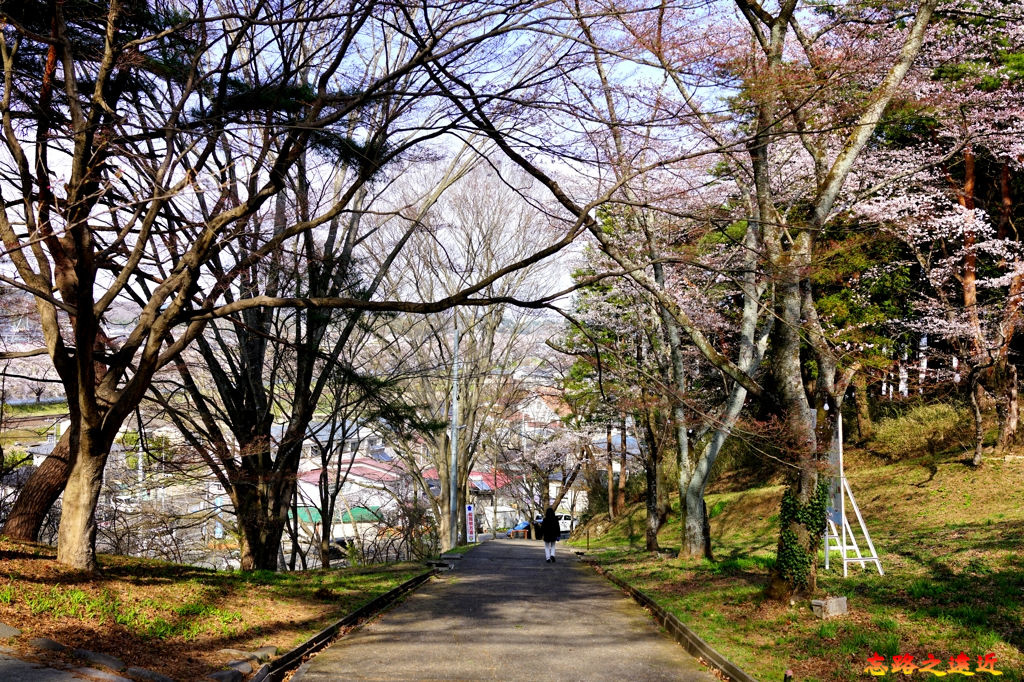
{"x":566,"y":523}
{"x":521,"y":526}
{"x":337,"y":551}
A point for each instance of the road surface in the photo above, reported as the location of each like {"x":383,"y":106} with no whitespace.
{"x":505,"y":614}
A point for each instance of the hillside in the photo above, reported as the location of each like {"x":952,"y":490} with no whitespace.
{"x":171,"y":618}
{"x":951,"y":541}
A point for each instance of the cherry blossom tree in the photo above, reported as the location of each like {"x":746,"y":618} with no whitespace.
{"x":957,"y":142}
{"x":802,"y":130}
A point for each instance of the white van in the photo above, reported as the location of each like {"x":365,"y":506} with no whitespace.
{"x":566,"y":523}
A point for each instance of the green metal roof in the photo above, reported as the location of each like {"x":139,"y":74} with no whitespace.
{"x":307,"y":515}
{"x":361,"y":515}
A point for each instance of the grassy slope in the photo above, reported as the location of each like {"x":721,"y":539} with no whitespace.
{"x":36,"y":409}
{"x":172,"y":618}
{"x":28,"y":423}
{"x":951,"y":541}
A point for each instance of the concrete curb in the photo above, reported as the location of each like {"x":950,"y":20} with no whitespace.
{"x":276,"y":669}
{"x":693,"y":644}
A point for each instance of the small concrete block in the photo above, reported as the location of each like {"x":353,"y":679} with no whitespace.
{"x":244,"y":667}
{"x":100,"y":659}
{"x":6,"y":631}
{"x":829,"y":607}
{"x":143,"y":674}
{"x":265,"y":653}
{"x":95,"y":674}
{"x":235,"y":655}
{"x":450,"y":557}
{"x":226,"y":676}
{"x":47,"y":644}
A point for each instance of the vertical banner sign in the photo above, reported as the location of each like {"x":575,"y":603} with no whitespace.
{"x":470,"y":524}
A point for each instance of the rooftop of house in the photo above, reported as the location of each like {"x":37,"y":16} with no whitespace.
{"x":363,"y":467}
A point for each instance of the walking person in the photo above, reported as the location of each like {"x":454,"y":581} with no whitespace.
{"x":550,"y":531}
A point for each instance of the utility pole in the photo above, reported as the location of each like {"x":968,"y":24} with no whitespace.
{"x":453,"y":501}
{"x":494,"y":498}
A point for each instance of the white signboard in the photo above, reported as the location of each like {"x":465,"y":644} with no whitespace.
{"x":470,"y":524}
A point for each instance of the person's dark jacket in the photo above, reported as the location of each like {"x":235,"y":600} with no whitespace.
{"x":549,"y":529}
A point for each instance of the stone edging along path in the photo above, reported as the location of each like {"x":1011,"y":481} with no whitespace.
{"x":44,"y":644}
{"x":276,"y":669}
{"x":689,"y":640}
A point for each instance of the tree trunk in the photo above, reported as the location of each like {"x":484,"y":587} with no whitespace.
{"x":979,"y":426}
{"x":325,"y":547}
{"x":1006,"y":204}
{"x":293,"y":526}
{"x":664,"y":474}
{"x":1005,"y":384}
{"x":444,"y":526}
{"x":494,"y":498}
{"x":620,"y":499}
{"x":684,"y":474}
{"x":696,"y":525}
{"x":567,"y":483}
{"x":261,"y":543}
{"x":865,"y":428}
{"x":795,"y":570}
{"x":1009,"y":406}
{"x":41,"y":490}
{"x":76,"y":539}
{"x":611,"y":471}
{"x":650,"y":453}
{"x":328,"y":503}
{"x":969,"y":275}
{"x":1010,"y":321}
{"x":695,"y":521}
{"x":651,"y":502}
{"x":684,"y":464}
{"x":262,"y":510}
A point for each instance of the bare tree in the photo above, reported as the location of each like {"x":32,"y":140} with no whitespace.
{"x":156,"y":138}
{"x":481,"y":222}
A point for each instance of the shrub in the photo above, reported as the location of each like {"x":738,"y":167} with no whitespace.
{"x":923,"y":429}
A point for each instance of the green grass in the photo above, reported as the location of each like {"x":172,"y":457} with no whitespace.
{"x":34,"y":410}
{"x":951,"y":540}
{"x":462,"y":549}
{"x":929,"y":428}
{"x":162,"y":601}
{"x":188,"y":620}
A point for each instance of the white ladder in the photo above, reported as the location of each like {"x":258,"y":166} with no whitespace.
{"x":839,"y":536}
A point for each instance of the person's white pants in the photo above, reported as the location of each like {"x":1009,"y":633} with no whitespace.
{"x":549,"y":550}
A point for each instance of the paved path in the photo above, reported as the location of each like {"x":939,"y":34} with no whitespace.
{"x":505,"y":614}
